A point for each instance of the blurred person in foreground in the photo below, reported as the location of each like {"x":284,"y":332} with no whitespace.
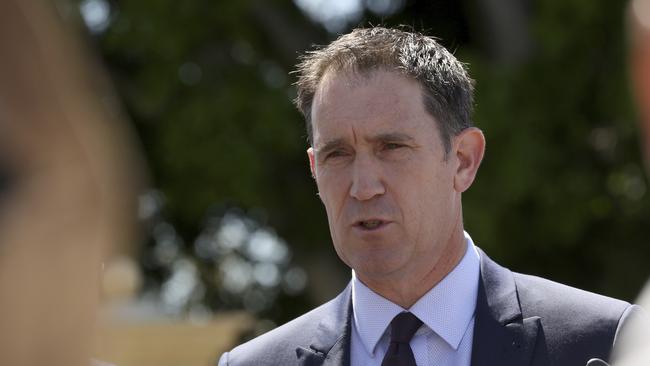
{"x":634,"y":347}
{"x":640,"y":66}
{"x":66,"y":189}
{"x":392,"y":149}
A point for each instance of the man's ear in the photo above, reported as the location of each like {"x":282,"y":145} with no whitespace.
{"x":469,"y":147}
{"x":312,"y":163}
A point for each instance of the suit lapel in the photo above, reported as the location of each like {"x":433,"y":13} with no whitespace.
{"x":330,"y":345}
{"x":501,"y":335}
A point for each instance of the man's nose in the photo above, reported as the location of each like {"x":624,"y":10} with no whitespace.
{"x":367,"y":179}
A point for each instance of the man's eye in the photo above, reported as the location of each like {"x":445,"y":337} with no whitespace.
{"x":335,"y":154}
{"x":392,"y":146}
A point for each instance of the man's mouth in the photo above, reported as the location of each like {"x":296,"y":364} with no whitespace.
{"x":370,"y":224}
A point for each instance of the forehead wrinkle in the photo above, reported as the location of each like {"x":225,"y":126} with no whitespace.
{"x":391,"y":136}
{"x":354,"y":135}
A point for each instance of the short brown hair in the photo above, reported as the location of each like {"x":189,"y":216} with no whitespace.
{"x":447,"y":89}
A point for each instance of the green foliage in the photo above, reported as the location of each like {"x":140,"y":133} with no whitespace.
{"x":561,"y":192}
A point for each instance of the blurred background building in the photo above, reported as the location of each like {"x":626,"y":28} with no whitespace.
{"x":230,"y":216}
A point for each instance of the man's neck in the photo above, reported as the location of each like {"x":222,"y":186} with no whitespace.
{"x":406,"y":290}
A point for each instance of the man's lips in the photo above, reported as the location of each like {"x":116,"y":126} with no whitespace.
{"x":371,"y":224}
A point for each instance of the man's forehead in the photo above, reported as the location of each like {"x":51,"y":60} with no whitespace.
{"x":345,"y":78}
{"x":380,"y":90}
{"x":380,"y":101}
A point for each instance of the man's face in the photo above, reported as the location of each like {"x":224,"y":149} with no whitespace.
{"x":381,"y":172}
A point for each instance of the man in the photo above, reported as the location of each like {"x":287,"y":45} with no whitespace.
{"x":392,"y":151}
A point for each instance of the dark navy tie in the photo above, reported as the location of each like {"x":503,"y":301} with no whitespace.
{"x":402,"y":329}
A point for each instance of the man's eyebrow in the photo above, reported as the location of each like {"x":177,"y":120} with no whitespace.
{"x":329,"y":145}
{"x":334,"y":144}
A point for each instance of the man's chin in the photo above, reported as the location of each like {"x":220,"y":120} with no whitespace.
{"x":378,"y":267}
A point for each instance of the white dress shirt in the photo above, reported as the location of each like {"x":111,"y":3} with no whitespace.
{"x":447,"y":311}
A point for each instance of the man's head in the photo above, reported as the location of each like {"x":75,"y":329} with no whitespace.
{"x":389,"y":179}
{"x":448,"y":91}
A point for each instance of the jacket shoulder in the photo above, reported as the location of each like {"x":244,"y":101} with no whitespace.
{"x":574,"y":321}
{"x":539,"y":296}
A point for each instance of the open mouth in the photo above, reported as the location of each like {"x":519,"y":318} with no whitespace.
{"x":370,"y":224}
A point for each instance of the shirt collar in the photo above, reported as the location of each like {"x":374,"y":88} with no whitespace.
{"x":447,"y":308}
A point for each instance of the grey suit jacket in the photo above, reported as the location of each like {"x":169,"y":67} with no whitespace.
{"x":520,"y":320}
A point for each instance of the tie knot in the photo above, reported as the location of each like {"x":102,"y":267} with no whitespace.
{"x":403,"y":327}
